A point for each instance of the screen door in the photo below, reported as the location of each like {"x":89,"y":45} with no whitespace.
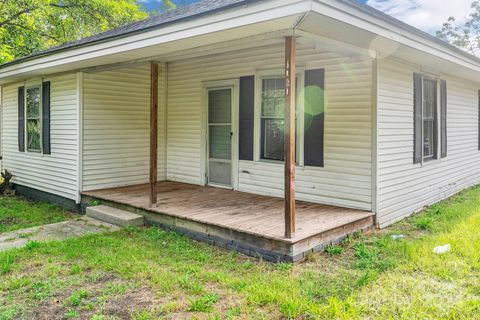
{"x":220,"y":137}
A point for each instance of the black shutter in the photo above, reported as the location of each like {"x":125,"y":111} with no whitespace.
{"x":46,"y":117}
{"x":21,"y":119}
{"x":314,"y":117}
{"x":247,"y":99}
{"x":443,"y":117}
{"x":417,"y":125}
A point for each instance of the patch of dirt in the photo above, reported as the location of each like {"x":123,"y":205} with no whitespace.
{"x":123,"y":306}
{"x":101,"y":299}
{"x":404,"y":227}
{"x":110,"y":295}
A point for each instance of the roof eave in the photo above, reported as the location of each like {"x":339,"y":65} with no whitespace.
{"x":392,"y":28}
{"x":357,"y":15}
{"x":242,"y":16}
{"x":123,"y":35}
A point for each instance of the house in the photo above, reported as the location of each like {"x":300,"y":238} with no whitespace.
{"x":271,"y":127}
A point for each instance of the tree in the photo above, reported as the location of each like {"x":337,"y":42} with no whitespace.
{"x":28,"y":26}
{"x":465,"y":36}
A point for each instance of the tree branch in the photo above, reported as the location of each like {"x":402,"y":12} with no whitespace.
{"x":16,"y":16}
{"x":13,"y":24}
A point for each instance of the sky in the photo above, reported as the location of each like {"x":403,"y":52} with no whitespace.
{"x":427,"y":15}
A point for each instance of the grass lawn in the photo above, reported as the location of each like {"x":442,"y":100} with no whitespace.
{"x":149,"y":273}
{"x":19,"y":213}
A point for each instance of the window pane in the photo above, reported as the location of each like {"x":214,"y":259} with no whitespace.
{"x":273,"y":139}
{"x":428,"y":140}
{"x":430,"y":98}
{"x":219,"y":106}
{"x":429,"y":118}
{"x":280,"y":106}
{"x":272,"y":122}
{"x":33,"y":103}
{"x":273,"y":98}
{"x":33,"y":135}
{"x":268,"y":107}
{"x":220,"y":142}
{"x":268,"y":85}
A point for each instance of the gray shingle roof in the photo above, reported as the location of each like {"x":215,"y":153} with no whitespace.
{"x":196,"y":9}
{"x":205,"y":7}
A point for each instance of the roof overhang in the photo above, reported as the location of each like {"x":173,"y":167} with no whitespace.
{"x":239,"y":22}
{"x":339,"y":22}
{"x":388,"y":37}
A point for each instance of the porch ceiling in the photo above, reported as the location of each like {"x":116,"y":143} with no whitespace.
{"x":381,"y":42}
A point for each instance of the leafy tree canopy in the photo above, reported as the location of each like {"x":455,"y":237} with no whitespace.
{"x":28,"y":26}
{"x":466,"y":35}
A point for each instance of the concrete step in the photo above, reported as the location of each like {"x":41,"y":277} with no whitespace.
{"x":115,"y":216}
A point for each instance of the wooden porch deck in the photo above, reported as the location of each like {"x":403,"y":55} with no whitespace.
{"x":233,"y":216}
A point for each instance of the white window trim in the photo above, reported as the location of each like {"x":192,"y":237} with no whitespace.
{"x":437,"y":156}
{"x":40,"y":114}
{"x":260,"y":75}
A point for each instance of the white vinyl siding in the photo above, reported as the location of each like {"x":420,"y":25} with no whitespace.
{"x":404,"y":187}
{"x":346,"y":178}
{"x":55,"y":173}
{"x":116,"y":127}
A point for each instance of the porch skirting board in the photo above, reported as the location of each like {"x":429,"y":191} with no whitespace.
{"x":259,"y":247}
{"x":35,"y":194}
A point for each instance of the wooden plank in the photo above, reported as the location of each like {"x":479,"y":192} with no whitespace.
{"x":290,"y":106}
{"x":153,"y":132}
{"x":234,"y":210}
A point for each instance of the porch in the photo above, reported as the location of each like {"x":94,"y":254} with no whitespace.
{"x":256,"y":127}
{"x":250,"y":223}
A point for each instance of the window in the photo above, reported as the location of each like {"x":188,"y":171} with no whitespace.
{"x":429,"y":118}
{"x":273,"y":119}
{"x":268,"y":116}
{"x":33,"y":119}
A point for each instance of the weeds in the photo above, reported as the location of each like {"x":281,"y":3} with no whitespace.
{"x":333,"y":250}
{"x":32,"y":245}
{"x":204,"y":303}
{"x":6,"y":263}
{"x":77,"y":297}
{"x":190,"y":283}
{"x":374,"y":277}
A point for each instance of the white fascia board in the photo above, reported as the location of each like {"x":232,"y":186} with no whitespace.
{"x":266,"y":39}
{"x":230,"y":19}
{"x":357,"y":18}
{"x":335,"y":44}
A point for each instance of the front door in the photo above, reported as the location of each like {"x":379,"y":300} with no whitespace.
{"x":219,"y":142}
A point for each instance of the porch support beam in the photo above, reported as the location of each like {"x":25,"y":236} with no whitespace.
{"x":153,"y":132}
{"x":290,"y":108}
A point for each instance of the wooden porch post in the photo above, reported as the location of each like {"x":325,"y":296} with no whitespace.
{"x":290,"y":108}
{"x":153,"y":132}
